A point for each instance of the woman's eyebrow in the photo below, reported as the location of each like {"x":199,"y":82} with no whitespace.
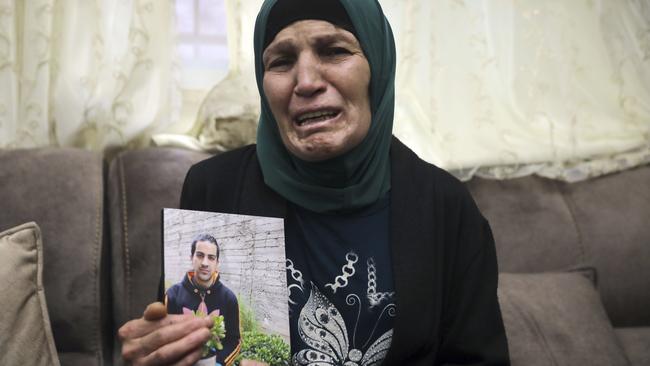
{"x":283,"y":46}
{"x":328,"y":39}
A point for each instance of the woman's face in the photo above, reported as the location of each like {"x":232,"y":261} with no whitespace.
{"x":316,"y":81}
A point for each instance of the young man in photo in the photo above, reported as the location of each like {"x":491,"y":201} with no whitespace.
{"x":201,"y":290}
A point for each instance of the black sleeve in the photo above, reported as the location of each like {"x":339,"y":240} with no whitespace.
{"x":193,"y":189}
{"x":232,"y":342}
{"x":215,"y":184}
{"x":473,"y":331}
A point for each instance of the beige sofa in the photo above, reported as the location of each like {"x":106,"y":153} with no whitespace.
{"x":100,"y":227}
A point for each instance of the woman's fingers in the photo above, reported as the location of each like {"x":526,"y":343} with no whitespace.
{"x":140,"y":327}
{"x":183,"y":351}
{"x":161,"y":339}
{"x":155,"y":311}
{"x":146,"y":338}
{"x":155,"y":316}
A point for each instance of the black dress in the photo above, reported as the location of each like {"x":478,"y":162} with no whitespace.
{"x":444,"y":267}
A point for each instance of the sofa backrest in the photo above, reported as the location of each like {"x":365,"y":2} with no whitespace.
{"x":539,"y":225}
{"x":545,"y":225}
{"x":62,"y":191}
{"x":612,"y":215}
{"x":532,"y":225}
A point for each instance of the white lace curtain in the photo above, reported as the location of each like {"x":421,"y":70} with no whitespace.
{"x":506,"y":88}
{"x":496,"y":88}
{"x":95,"y":74}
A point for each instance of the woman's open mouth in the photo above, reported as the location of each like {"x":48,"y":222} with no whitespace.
{"x":316,"y":117}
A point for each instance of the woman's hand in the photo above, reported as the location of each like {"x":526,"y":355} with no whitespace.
{"x":161,"y":339}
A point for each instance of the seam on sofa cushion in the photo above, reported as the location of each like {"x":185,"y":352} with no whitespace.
{"x":125,"y":238}
{"x":97,"y":264}
{"x":568,"y":201}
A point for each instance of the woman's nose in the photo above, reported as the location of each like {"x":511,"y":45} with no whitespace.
{"x":309,"y":78}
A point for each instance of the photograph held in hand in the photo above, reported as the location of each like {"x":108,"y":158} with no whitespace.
{"x":230,"y":269}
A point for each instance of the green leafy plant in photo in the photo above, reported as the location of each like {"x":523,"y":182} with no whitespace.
{"x":217,"y":333}
{"x":270,"y":349}
{"x":258,"y":346}
{"x":247,"y":321}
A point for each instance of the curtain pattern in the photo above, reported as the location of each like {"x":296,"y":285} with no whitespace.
{"x":505,"y":89}
{"x":495,"y":88}
{"x":95,"y":74}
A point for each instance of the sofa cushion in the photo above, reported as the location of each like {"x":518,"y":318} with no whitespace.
{"x":24,"y":320}
{"x":636,"y":342}
{"x":612,"y":214}
{"x":62,"y":190}
{"x":532,"y":224}
{"x":556,"y":319}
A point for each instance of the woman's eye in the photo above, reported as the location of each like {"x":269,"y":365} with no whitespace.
{"x":336,"y":51}
{"x":278,"y":63}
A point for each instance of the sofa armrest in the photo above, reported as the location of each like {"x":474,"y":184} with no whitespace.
{"x":62,"y":191}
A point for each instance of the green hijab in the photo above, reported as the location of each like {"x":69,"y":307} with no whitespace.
{"x":362,"y":175}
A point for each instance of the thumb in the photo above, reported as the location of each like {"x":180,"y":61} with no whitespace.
{"x":155,"y":311}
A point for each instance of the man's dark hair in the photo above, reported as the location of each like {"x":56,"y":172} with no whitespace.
{"x":204,"y":237}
